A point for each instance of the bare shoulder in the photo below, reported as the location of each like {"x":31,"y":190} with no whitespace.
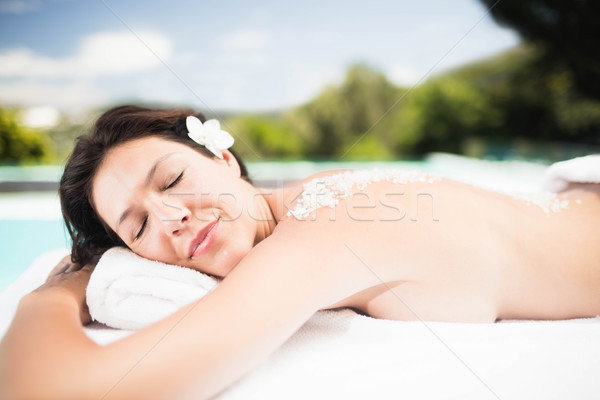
{"x":294,"y":189}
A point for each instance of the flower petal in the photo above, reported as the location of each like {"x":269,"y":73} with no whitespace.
{"x":209,"y":134}
{"x":211,"y":147}
{"x":197,"y":137}
{"x":212,"y":124}
{"x":223,"y":140}
{"x":193,"y":124}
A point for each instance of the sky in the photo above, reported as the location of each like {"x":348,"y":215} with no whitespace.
{"x":257,"y":55}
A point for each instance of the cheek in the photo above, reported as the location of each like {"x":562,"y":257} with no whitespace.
{"x":212,"y":199}
{"x":232,"y":205}
{"x":156,"y":248}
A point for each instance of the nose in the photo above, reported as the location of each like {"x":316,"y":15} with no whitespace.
{"x":172,"y":214}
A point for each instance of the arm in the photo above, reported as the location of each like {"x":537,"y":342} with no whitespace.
{"x":32,"y":347}
{"x":201,"y":349}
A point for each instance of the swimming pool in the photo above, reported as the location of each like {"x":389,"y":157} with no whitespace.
{"x":30,"y":222}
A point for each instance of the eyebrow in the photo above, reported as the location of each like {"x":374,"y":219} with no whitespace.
{"x":149,"y":177}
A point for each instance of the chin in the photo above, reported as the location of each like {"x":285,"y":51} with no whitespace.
{"x":218,"y":268}
{"x":229,"y":261}
{"x":223,"y":260}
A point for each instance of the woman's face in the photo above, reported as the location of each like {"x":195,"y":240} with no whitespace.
{"x":169,"y":203}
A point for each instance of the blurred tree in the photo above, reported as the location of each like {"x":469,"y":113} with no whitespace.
{"x":500,"y":106}
{"x":63,"y":136}
{"x":566,"y":31}
{"x":18,"y":143}
{"x":539,"y":100}
{"x":442,"y":115}
{"x":264,"y":136}
{"x":515,"y":103}
{"x":334,"y":123}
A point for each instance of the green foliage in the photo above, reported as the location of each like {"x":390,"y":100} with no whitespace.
{"x":540,"y":101}
{"x":20,"y":144}
{"x":442,"y":113}
{"x":369,"y":148}
{"x":262,"y":136}
{"x":500,"y":102}
{"x":334,"y":122}
{"x":514,"y":101}
{"x":566,"y":32}
{"x":63,"y":136}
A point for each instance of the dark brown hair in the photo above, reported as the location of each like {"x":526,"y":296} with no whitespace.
{"x":89,"y":233}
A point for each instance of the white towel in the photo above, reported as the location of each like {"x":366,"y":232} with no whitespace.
{"x":577,"y":170}
{"x":127,"y":291}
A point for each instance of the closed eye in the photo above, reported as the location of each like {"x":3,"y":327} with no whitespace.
{"x":175,"y":182}
{"x":141,"y":231}
{"x":145,"y":222}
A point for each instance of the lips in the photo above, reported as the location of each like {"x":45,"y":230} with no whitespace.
{"x":204,"y":239}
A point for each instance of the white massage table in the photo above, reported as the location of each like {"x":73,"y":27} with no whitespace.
{"x":348,"y":356}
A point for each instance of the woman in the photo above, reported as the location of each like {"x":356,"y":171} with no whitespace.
{"x":390,"y":244}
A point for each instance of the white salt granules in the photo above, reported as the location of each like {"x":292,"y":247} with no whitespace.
{"x":327,"y":191}
{"x":548,"y":202}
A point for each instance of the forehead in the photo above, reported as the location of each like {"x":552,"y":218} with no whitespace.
{"x":133,"y":159}
{"x":141,"y":151}
{"x":124,"y":170}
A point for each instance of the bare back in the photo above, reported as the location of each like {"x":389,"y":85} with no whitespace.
{"x":448,"y":251}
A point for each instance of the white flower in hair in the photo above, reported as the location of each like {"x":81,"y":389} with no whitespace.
{"x":209,"y":134}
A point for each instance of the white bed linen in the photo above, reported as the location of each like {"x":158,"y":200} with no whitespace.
{"x":349,"y":356}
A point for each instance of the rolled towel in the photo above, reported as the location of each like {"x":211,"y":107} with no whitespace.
{"x":577,"y":170}
{"x":127,"y":291}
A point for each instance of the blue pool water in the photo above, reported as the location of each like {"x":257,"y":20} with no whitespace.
{"x":23,"y":240}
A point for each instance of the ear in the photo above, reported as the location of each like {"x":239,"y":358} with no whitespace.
{"x":231,"y":162}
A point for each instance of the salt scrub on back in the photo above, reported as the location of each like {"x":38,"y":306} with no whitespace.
{"x":546,"y":201}
{"x":327,"y":191}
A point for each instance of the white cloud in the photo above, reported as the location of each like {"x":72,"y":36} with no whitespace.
{"x":403,"y":76}
{"x":244,"y":40}
{"x":75,"y":95}
{"x":100,"y":54}
{"x":239,"y":61}
{"x":116,"y":53}
{"x":41,"y":117}
{"x":23,"y":62}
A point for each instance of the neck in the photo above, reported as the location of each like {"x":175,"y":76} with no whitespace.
{"x":267,"y":215}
